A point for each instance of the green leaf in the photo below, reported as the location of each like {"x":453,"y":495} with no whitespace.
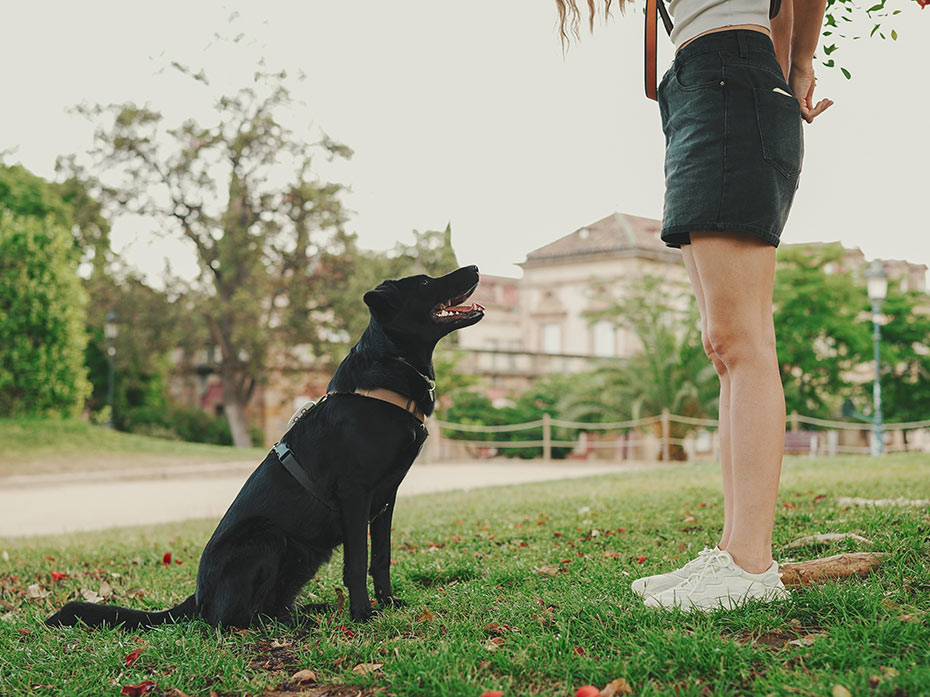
{"x":846,"y":73}
{"x":874,"y":29}
{"x":894,"y":35}
{"x":830,"y":63}
{"x":830,"y":49}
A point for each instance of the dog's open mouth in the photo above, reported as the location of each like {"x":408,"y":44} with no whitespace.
{"x":453,"y":309}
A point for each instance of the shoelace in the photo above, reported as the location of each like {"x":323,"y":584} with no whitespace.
{"x":715,"y":560}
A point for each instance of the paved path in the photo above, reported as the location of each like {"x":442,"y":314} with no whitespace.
{"x":48,"y":504}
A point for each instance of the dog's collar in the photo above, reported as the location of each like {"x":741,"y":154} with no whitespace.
{"x":396,"y":398}
{"x":430,"y":383}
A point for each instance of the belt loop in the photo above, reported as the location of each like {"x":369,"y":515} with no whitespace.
{"x":741,"y":40}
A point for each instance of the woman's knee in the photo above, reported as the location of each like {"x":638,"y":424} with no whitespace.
{"x":732,"y":344}
{"x":719,"y":366}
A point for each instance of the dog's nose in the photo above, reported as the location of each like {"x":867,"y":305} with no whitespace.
{"x":473,"y":268}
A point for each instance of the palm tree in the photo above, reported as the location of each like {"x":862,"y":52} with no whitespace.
{"x":670,"y":372}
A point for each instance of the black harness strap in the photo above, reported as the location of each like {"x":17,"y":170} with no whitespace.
{"x":290,"y":462}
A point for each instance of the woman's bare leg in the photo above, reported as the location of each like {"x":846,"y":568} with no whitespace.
{"x":737,"y":276}
{"x":723,"y":430}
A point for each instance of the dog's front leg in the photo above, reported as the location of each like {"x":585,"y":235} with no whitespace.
{"x":355,"y":554}
{"x":381,"y":556}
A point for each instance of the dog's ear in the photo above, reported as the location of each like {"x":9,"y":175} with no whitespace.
{"x":383,"y":300}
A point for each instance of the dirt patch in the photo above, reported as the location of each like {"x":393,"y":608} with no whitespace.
{"x":270,"y":655}
{"x":288,"y":689}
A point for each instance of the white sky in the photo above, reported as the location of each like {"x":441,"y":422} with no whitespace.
{"x":467,"y":112}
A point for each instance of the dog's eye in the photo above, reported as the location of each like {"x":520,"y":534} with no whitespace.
{"x":424,"y":281}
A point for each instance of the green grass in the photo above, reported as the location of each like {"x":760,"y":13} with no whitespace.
{"x":43,"y":446}
{"x":470,"y":560}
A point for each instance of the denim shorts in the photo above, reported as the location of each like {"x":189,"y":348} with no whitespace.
{"x":733,"y":139}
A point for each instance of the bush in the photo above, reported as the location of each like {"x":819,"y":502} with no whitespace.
{"x":42,"y":314}
{"x":184,"y":423}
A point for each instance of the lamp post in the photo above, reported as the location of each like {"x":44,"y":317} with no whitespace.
{"x":877,"y":283}
{"x":109,"y":331}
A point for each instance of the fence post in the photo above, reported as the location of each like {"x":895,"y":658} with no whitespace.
{"x":547,"y":437}
{"x":794,"y":422}
{"x":435,"y":450}
{"x":666,"y":433}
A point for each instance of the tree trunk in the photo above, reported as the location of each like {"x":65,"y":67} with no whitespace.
{"x":234,"y":408}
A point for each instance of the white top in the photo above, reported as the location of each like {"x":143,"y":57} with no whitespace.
{"x":692,"y":17}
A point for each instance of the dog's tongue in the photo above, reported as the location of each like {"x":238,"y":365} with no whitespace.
{"x":465,"y":308}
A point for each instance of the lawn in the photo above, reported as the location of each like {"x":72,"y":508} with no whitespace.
{"x":46,"y":446}
{"x":519,"y":589}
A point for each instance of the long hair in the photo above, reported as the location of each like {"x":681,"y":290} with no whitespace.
{"x":570,"y":16}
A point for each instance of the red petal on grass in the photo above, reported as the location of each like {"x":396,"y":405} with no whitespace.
{"x":348,"y":632}
{"x":178,"y":561}
{"x":621,"y":529}
{"x":788,"y":504}
{"x":587,"y":691}
{"x":132,"y":658}
{"x":48,"y":558}
{"x":640,"y":560}
{"x":496,"y":693}
{"x":166,"y":559}
{"x":580,"y":651}
{"x":138,"y":690}
{"x":58,"y":575}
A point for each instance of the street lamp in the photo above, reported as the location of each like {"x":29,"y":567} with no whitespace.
{"x":110,"y":331}
{"x":877,"y":283}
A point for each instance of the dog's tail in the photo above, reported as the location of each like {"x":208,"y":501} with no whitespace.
{"x":94,"y":615}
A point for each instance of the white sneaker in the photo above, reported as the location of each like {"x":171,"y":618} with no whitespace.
{"x":651,"y":585}
{"x":720,"y":582}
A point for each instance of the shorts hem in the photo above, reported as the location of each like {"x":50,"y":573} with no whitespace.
{"x":676,"y":235}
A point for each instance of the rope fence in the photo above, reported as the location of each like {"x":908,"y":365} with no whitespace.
{"x":631,"y":438}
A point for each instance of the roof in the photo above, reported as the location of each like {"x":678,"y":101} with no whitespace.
{"x":618,"y":232}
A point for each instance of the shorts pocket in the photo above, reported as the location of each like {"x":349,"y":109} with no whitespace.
{"x":700,"y":72}
{"x":779,"y":119}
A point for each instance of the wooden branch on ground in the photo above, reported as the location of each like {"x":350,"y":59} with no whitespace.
{"x":805,"y":573}
{"x":825,"y":539}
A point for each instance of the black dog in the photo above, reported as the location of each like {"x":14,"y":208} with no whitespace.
{"x":338,"y":471}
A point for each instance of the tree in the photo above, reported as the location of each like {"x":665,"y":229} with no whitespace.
{"x":242,"y":191}
{"x":820,"y":335}
{"x":42,"y":335}
{"x":670,"y":372}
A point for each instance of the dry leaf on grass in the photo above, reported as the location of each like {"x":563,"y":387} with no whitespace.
{"x":36,"y":591}
{"x":304,"y":676}
{"x":547,"y":570}
{"x":367,"y":668}
{"x":425,"y":616}
{"x":494,"y":643}
{"x":620,"y":686}
{"x":840,"y":691}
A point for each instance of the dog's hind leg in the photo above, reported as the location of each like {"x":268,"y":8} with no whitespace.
{"x":355,"y":510}
{"x":381,"y":556}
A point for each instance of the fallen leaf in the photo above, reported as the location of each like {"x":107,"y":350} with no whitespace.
{"x":840,"y":691}
{"x":138,"y":690}
{"x":36,"y":591}
{"x":620,"y":686}
{"x":788,"y":504}
{"x":640,"y":559}
{"x":367,"y":668}
{"x":24,"y":632}
{"x":105,"y":590}
{"x":547,"y":570}
{"x":494,"y":643}
{"x":806,"y":640}
{"x":135,"y":593}
{"x":58,"y":575}
{"x":425,"y":616}
{"x":689,"y":519}
{"x":682,"y":546}
{"x":348,"y":632}
{"x":90,"y":596}
{"x":340,"y":600}
{"x":580,"y":651}
{"x":132,"y":658}
{"x":304,"y":676}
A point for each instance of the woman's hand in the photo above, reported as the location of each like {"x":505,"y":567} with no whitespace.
{"x":801,"y":80}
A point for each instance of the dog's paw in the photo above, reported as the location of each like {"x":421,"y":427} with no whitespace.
{"x":392,"y":601}
{"x":362,"y":614}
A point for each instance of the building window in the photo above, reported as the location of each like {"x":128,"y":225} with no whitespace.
{"x":552,"y":338}
{"x":605,"y":339}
